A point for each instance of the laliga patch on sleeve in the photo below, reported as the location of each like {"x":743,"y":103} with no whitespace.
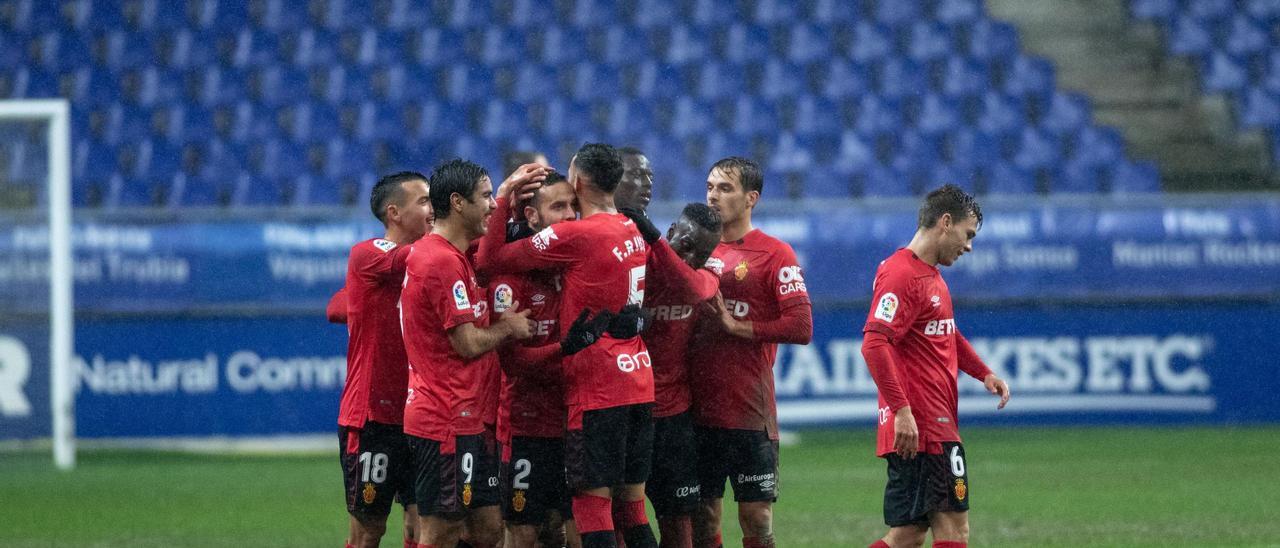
{"x":460,"y":299}
{"x":887,"y":308}
{"x":502,"y":298}
{"x":384,"y":245}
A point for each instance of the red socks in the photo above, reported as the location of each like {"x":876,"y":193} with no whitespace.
{"x":592,"y":513}
{"x":879,"y":544}
{"x":949,"y":544}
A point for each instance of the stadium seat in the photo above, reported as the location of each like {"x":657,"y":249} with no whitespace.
{"x":503,"y":45}
{"x":753,"y":117}
{"x":964,"y":77}
{"x":1258,"y":109}
{"x":1077,"y":178}
{"x":1266,"y":11}
{"x":882,"y":181}
{"x":256,"y":191}
{"x":625,"y":45}
{"x":1189,"y":36}
{"x":808,"y":43}
{"x":1210,"y":9}
{"x":1244,"y":36}
{"x":871,"y":42}
{"x":1222,"y":73}
{"x":714,"y":12}
{"x":814,"y":116}
{"x":927,"y":41}
{"x":436,"y":47}
{"x":781,"y":79}
{"x":406,"y":82}
{"x":938,"y":115}
{"x":970,"y":148}
{"x":1135,"y":177}
{"x":1005,"y":178}
{"x":655,"y":13}
{"x":595,"y":82}
{"x":845,"y":79}
{"x":471,"y":13}
{"x":1028,"y":75}
{"x":954,"y":12}
{"x":564,"y":118}
{"x":504,"y":118}
{"x":1067,"y":113}
{"x":1000,"y":114}
{"x":990,"y":40}
{"x":720,"y":80}
{"x":1037,"y":150}
{"x":1153,"y":10}
{"x":1097,"y":146}
{"x":629,"y":119}
{"x":900,"y":77}
{"x":897,"y":12}
{"x":877,"y":115}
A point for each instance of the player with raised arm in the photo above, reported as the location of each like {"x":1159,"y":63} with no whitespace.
{"x":609,"y":385}
{"x":763,"y":302}
{"x":448,"y":336}
{"x":676,"y":285}
{"x":531,"y":421}
{"x":374,"y":453}
{"x":914,"y":351}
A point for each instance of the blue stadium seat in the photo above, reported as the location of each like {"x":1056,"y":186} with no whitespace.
{"x":1266,"y":11}
{"x":348,"y":14}
{"x":316,"y":48}
{"x":436,"y":47}
{"x":1067,"y":113}
{"x":347,"y":158}
{"x":92,"y":86}
{"x":1077,"y":178}
{"x":877,"y":115}
{"x":720,"y":80}
{"x":815,"y":116}
{"x":658,"y":80}
{"x":808,"y":43}
{"x":625,"y":45}
{"x":564,"y":118}
{"x":871,"y":42}
{"x":99,"y":16}
{"x":991,"y":40}
{"x":1210,"y":9}
{"x":832,"y":12}
{"x":686,"y":44}
{"x":1037,"y":150}
{"x":845,"y":79}
{"x":900,"y":77}
{"x":655,"y":13}
{"x":944,"y":173}
{"x":471,"y":13}
{"x":1257,"y":109}
{"x":589,"y":13}
{"x":127,"y":50}
{"x":917,"y":150}
{"x":691,"y":118}
{"x":938,"y":115}
{"x":790,"y":155}
{"x":883,"y":181}
{"x":281,"y":158}
{"x":1028,"y":75}
{"x":954,"y":12}
{"x":378,"y":121}
{"x":1189,"y":36}
{"x":1098,"y":145}
{"x":781,"y":79}
{"x":1000,"y":114}
{"x":156,"y":159}
{"x":1005,"y":178}
{"x":752,"y":117}
{"x":856,"y":153}
{"x":1153,"y":10}
{"x":252,"y":191}
{"x":561,"y":45}
{"x":221,"y":158}
{"x":897,"y":12}
{"x":408,"y":82}
{"x":410,"y":14}
{"x":221,"y":86}
{"x":964,"y":77}
{"x":629,"y":119}
{"x":714,"y":12}
{"x":970,"y":148}
{"x":282,"y":85}
{"x":256,"y":49}
{"x":122,"y":192}
{"x":1135,"y":177}
{"x":1243,"y":36}
{"x":775,"y":12}
{"x":503,"y":45}
{"x":502,"y":118}
{"x":595,"y":82}
{"x":1222,"y":73}
{"x":469,"y":83}
{"x":1270,"y":72}
{"x":535,"y":83}
{"x":928,"y":40}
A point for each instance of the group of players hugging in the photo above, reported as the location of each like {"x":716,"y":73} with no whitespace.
{"x":527,"y":364}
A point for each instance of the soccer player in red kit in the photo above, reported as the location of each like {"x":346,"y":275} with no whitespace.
{"x":763,"y":302}
{"x":914,"y":351}
{"x":373,"y":449}
{"x":448,"y":337}
{"x":676,"y":285}
{"x":609,"y":386}
{"x":531,"y":420}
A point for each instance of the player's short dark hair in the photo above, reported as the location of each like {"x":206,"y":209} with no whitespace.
{"x":454,"y":176}
{"x":553,"y":178}
{"x":749,"y":174}
{"x":388,"y":189}
{"x":702,"y":215}
{"x":949,"y":199}
{"x":512,"y":161}
{"x":630,"y":151}
{"x":601,"y":163}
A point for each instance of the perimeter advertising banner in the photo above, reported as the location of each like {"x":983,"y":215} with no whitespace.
{"x":283,"y":375}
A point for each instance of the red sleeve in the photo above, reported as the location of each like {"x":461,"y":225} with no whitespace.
{"x":968,"y":359}
{"x":383,"y":260}
{"x":688,"y":284}
{"x":337,"y":309}
{"x":879,"y":355}
{"x":793,"y":326}
{"x":539,"y":362}
{"x":892,"y":308}
{"x":789,"y":286}
{"x":552,"y":247}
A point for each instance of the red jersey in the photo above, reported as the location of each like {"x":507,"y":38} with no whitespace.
{"x":602,"y":258}
{"x":732,"y":377}
{"x":440,"y":293}
{"x":377,"y":371}
{"x":911,"y":305}
{"x":672,"y":297}
{"x":532,"y":392}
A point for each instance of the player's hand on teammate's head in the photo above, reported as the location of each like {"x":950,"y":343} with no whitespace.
{"x":906,"y":436}
{"x":518,"y":322}
{"x":997,"y":386}
{"x":523,"y":182}
{"x":628,"y":323}
{"x":643,"y":224}
{"x":584,"y":332}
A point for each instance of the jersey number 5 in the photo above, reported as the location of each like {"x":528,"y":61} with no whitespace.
{"x":636,"y":292}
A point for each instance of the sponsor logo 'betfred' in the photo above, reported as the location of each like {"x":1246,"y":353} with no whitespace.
{"x":739,"y":309}
{"x":940,"y":327}
{"x":673,"y":312}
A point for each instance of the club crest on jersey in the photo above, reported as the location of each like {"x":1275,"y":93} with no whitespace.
{"x":466,"y":494}
{"x":517,"y":501}
{"x":460,"y":298}
{"x":716,"y":265}
{"x":369,"y":493}
{"x":542,"y":240}
{"x":740,"y":271}
{"x":887,"y":308}
{"x":503,"y":296}
{"x":384,"y":245}
{"x":961,"y":489}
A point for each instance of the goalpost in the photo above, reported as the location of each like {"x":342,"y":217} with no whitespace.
{"x":56,"y":113}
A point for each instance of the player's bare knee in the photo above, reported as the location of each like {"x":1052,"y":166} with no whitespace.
{"x":952,"y":526}
{"x":756,"y":518}
{"x":906,"y":537}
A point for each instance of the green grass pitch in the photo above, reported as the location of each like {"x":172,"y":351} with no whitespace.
{"x":1030,"y":487}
